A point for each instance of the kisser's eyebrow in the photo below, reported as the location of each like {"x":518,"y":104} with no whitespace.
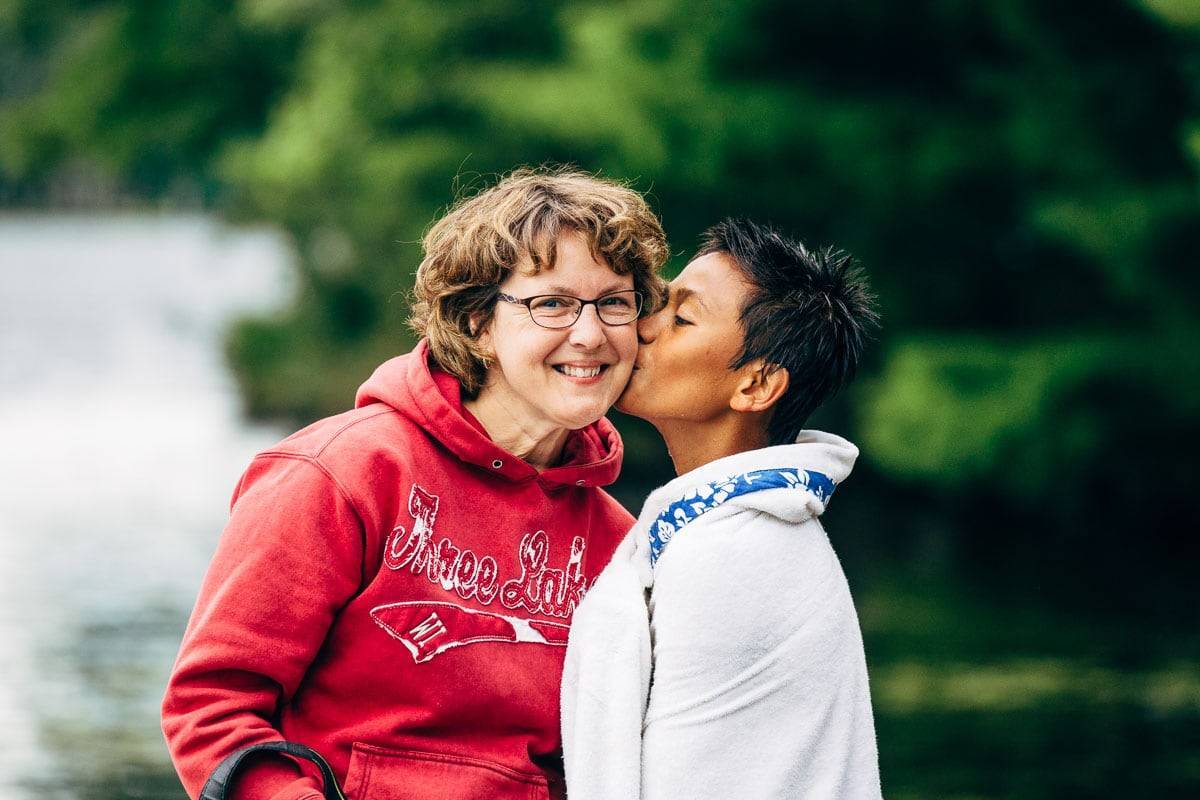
{"x":683,"y":294}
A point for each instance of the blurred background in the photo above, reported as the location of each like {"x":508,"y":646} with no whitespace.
{"x":210,"y":212}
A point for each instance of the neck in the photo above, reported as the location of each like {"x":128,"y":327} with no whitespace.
{"x":540,"y":445}
{"x":693,"y":445}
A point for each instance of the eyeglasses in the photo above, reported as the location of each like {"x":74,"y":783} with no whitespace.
{"x":562,"y":310}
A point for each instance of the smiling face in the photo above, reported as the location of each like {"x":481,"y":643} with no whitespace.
{"x":565,"y":378}
{"x":682,"y":371}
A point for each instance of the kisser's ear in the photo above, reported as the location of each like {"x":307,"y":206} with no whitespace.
{"x":760,"y":387}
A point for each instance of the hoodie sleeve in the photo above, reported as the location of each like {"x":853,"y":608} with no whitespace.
{"x":290,"y":557}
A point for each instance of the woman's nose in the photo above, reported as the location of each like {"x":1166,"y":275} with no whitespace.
{"x":588,"y":330}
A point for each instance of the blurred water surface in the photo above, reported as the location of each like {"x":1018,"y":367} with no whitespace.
{"x":122,"y":440}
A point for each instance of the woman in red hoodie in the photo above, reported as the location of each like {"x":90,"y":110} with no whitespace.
{"x":395,"y":583}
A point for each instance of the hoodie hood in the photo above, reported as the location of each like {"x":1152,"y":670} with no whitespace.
{"x":432,"y":398}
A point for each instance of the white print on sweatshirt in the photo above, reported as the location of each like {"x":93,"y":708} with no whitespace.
{"x":430,"y":628}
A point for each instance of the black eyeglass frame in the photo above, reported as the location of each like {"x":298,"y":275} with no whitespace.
{"x":528,"y":302}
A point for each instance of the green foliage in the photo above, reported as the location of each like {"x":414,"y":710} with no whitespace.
{"x":148,"y":91}
{"x":953,"y":409}
{"x":957,"y":411}
{"x":1018,"y":177}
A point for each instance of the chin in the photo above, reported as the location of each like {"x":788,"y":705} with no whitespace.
{"x":576,"y":418}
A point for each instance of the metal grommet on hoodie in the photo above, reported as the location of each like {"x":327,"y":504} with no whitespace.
{"x":497,"y":464}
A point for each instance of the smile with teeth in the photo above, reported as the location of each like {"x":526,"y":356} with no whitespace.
{"x":579,"y":372}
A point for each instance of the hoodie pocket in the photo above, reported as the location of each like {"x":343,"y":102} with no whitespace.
{"x":378,"y":773}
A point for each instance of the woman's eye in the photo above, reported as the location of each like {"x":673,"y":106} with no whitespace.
{"x":615,"y":302}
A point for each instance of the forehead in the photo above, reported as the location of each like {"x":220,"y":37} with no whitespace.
{"x":575,"y":269}
{"x":716,"y":281}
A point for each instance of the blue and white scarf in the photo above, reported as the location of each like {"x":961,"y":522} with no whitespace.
{"x":707,"y":496}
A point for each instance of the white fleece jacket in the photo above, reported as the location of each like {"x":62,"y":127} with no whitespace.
{"x":734,"y":666}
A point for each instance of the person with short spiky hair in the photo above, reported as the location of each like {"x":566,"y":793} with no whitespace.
{"x":719,"y":653}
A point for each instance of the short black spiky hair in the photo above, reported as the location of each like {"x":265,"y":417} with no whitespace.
{"x":810,"y":312}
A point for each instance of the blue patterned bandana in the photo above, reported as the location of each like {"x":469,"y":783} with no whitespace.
{"x":708,"y":496}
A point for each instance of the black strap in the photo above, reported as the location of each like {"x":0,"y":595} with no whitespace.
{"x":217,"y":785}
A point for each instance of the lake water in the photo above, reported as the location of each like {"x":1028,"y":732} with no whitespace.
{"x":122,"y":441}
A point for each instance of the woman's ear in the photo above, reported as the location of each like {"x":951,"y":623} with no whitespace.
{"x":760,"y":387}
{"x":475,"y":325}
{"x":479,"y":328}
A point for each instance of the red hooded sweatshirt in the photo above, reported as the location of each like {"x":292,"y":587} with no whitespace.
{"x":393,"y":589}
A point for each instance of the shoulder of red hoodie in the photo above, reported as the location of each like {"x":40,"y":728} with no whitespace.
{"x":408,"y":418}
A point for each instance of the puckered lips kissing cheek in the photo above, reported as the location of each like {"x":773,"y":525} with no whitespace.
{"x":637,"y":378}
{"x":643,"y":365}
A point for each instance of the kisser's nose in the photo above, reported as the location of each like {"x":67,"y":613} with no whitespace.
{"x":649,"y":326}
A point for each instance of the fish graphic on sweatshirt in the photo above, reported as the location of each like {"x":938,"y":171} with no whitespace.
{"x":430,"y":628}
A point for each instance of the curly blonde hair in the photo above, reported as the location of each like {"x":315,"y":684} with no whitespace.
{"x":474,"y":247}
